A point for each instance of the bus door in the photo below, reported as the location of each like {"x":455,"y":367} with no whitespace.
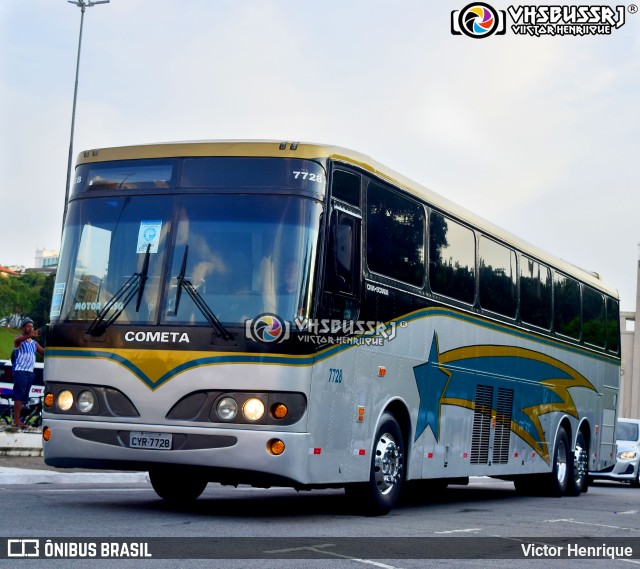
{"x":335,"y":393}
{"x":342,"y":273}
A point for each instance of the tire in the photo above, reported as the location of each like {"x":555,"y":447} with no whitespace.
{"x":177,"y":485}
{"x":562,"y":472}
{"x":579,"y":480}
{"x":635,"y":483}
{"x":379,"y":495}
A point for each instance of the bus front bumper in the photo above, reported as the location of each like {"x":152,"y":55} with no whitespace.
{"x":233,"y":456}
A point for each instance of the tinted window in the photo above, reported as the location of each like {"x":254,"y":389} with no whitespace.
{"x":395,"y":235}
{"x":535,"y":293}
{"x":613,"y":325}
{"x":343,"y":254}
{"x":346,"y":187}
{"x":229,"y":172}
{"x":567,"y":306}
{"x":451,"y":258}
{"x":497,"y":278}
{"x":626,"y":431}
{"x":593,"y":319}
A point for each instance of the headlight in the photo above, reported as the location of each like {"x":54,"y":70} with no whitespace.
{"x":227,"y":409}
{"x":86,"y":401}
{"x":253,"y":409}
{"x":628,"y":454}
{"x":65,"y":400}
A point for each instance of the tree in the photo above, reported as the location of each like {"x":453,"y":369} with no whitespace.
{"x":27,"y":295}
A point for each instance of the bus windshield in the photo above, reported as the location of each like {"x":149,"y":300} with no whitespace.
{"x":243,"y":254}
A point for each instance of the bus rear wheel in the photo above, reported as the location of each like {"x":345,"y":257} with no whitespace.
{"x":579,"y":482}
{"x":176,"y":485}
{"x":379,"y":495}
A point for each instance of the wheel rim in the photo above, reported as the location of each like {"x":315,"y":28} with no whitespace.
{"x":580,"y":463}
{"x":388,"y":464}
{"x":561,"y":463}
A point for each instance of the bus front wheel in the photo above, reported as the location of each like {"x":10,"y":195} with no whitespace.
{"x":176,"y":485}
{"x":381,"y":492}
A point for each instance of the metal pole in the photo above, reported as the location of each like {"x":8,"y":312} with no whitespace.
{"x":83,"y":5}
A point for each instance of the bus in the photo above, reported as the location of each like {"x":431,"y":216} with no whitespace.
{"x":299,"y":315}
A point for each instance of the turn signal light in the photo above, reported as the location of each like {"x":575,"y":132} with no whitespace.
{"x":46,"y":433}
{"x":280,"y":411}
{"x":275,"y":447}
{"x":48,"y":400}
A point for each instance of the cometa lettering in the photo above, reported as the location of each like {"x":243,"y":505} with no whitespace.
{"x":157,"y":337}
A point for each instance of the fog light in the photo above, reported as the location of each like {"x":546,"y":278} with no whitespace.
{"x":46,"y":433}
{"x":280,"y":411}
{"x":253,"y":409}
{"x":65,"y":400}
{"x":48,"y":400}
{"x":275,"y":446}
{"x":86,"y":401}
{"x":227,"y":409}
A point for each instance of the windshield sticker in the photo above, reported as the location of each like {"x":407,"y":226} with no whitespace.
{"x":56,"y":300}
{"x":149,"y":234}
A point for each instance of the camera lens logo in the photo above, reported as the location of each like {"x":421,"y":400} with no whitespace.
{"x":267,"y":328}
{"x":478,"y":20}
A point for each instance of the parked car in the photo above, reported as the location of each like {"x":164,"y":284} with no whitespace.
{"x":627,"y":467}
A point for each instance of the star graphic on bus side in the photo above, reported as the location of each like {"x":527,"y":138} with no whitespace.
{"x":541,"y":381}
{"x":432,"y":382}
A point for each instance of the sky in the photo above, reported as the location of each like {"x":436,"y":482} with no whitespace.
{"x":540,"y":135}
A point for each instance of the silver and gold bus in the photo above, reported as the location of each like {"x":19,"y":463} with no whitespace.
{"x":298,"y":315}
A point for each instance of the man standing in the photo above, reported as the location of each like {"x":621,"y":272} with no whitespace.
{"x":25,"y":359}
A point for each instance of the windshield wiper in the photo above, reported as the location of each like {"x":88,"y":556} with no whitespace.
{"x":193,"y":293}
{"x":134,"y":284}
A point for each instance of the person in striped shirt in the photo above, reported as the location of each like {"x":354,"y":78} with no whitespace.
{"x":25,"y":359}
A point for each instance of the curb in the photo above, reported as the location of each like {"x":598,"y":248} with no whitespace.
{"x":10,"y":475}
{"x":20,"y":443}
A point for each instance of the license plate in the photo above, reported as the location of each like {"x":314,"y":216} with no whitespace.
{"x":156,"y":441}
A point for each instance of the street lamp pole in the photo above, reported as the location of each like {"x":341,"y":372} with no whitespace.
{"x":83,"y":5}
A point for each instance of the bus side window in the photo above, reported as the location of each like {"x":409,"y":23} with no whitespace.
{"x":613,"y":325}
{"x":342,"y":268}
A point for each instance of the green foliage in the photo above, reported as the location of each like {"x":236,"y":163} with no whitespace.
{"x":27,"y":295}
{"x":7,"y":335}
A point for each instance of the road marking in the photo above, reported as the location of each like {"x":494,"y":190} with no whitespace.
{"x":85,"y":490}
{"x":320,"y":549}
{"x":627,"y":512}
{"x":571,"y":521}
{"x":468,"y":530}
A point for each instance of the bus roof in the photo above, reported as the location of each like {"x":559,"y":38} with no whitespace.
{"x":282,"y":149}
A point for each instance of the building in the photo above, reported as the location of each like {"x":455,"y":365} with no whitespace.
{"x":629,"y":405}
{"x":7,"y":272}
{"x":46,"y":260}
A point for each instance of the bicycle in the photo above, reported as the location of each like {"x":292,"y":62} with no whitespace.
{"x":31,"y":414}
